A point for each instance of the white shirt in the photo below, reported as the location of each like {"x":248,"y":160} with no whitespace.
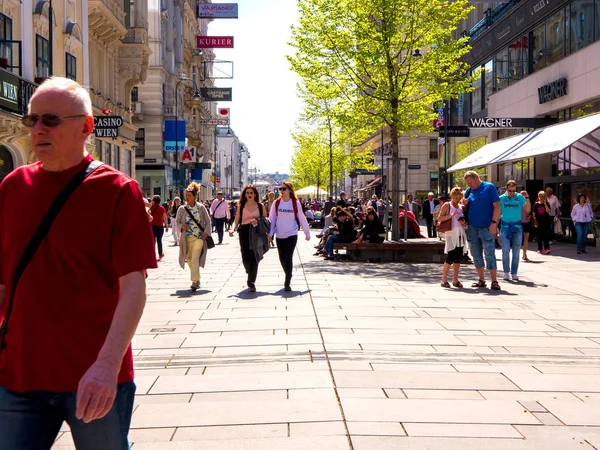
{"x":219,"y":209}
{"x":283,"y":222}
{"x":582,"y":213}
{"x":554,"y":205}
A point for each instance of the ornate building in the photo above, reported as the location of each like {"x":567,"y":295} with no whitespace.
{"x":176,"y":69}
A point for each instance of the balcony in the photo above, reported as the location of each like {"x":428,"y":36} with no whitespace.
{"x":490,"y":18}
{"x":106,"y":20}
{"x":15,"y":93}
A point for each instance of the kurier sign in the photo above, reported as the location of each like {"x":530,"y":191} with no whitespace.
{"x":217,"y":11}
{"x":552,"y":91}
{"x":216,"y":94}
{"x":107,"y":126}
{"x":509,"y":122}
{"x":214,"y":41}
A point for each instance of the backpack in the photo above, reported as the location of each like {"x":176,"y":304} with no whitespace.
{"x":294,"y":203}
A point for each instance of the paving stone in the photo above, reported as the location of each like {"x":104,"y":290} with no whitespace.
{"x":318,"y":429}
{"x":375,"y":429}
{"x":462,"y":430}
{"x":231,"y":432}
{"x":298,"y":443}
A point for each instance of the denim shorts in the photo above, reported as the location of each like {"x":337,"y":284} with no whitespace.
{"x":481,"y":243}
{"x":32,"y":420}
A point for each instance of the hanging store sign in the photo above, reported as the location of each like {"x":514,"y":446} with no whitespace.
{"x":9,"y":91}
{"x":509,"y":122}
{"x":552,"y":91}
{"x":107,"y":126}
{"x":214,"y":41}
{"x":217,"y":11}
{"x":214,"y":122}
{"x":216,"y":94}
{"x":455,"y":131}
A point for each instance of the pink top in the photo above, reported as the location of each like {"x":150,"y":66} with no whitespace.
{"x":248,"y":214}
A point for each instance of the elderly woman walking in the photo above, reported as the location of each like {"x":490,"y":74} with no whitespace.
{"x":194,"y":222}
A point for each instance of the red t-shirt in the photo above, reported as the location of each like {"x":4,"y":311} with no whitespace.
{"x":67,"y":296}
{"x":158,"y":212}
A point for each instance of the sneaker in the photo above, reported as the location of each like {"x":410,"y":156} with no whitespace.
{"x":579,"y":252}
{"x":540,"y":252}
{"x":195,"y":286}
{"x":515,"y":278}
{"x":506,"y":276}
{"x":287,"y":288}
{"x":584,"y":251}
{"x":162,"y":255}
{"x":547,"y":251}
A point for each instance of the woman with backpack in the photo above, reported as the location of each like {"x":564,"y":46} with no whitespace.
{"x":248,"y":216}
{"x":286,"y":220}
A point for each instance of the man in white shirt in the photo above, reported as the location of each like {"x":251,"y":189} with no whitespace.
{"x":412,"y":206}
{"x":428,"y":208}
{"x":219,"y":211}
{"x":554,"y":210}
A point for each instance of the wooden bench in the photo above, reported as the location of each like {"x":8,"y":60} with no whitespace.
{"x":417,"y":250}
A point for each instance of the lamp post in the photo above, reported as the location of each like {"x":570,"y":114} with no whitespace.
{"x":180,"y":169}
{"x":231,"y":171}
{"x":224,"y":154}
{"x":50,"y":38}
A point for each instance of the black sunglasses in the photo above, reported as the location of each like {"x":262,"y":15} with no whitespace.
{"x":508,"y":190}
{"x":283,"y":189}
{"x":49,"y":120}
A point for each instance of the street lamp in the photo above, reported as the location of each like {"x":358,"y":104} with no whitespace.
{"x":231,"y":171}
{"x":196,"y":97}
{"x":221,"y":153}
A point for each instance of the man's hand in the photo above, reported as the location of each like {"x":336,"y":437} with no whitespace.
{"x":308,"y":238}
{"x":465,"y":201}
{"x":494,"y":230}
{"x":97,"y":391}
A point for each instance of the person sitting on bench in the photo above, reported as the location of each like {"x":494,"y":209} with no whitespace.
{"x":373,"y":232}
{"x":414,"y":231}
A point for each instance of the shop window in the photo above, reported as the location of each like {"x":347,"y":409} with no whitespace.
{"x":6,"y":35}
{"x":555,"y":42}
{"x":71,"y":66}
{"x":581,"y":24}
{"x":538,"y":48}
{"x":502,"y":70}
{"x":42,"y":65}
{"x":129,"y":7}
{"x":140,"y":141}
{"x":433,"y":181}
{"x":433,"y":149}
{"x":476,"y":96}
{"x":488,"y":80}
{"x":517,"y":59}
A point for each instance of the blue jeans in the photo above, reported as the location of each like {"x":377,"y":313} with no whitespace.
{"x":482,"y":242}
{"x":511,"y":244}
{"x":219,"y":224}
{"x":32,"y":420}
{"x":582,"y":230}
{"x":328,"y":247}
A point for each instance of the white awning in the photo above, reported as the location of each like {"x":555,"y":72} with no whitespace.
{"x":552,"y":139}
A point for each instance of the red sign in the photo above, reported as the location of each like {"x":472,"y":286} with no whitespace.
{"x":218,"y":180}
{"x":106,"y":112}
{"x":214,"y":41}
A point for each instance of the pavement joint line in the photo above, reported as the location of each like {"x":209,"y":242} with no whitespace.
{"x":335,"y":388}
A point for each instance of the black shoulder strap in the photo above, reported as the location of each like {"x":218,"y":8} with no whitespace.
{"x":187,"y":210}
{"x":40,"y":234}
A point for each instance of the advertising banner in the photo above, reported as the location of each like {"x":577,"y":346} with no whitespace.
{"x":217,"y":10}
{"x":172,"y":140}
{"x":212,"y":94}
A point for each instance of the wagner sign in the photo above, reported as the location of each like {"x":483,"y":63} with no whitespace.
{"x":107,"y":126}
{"x":509,"y":122}
{"x":552,"y":91}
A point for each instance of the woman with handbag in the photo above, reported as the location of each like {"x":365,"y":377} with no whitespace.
{"x":194,"y":222}
{"x":451,"y":221}
{"x":247,"y":216}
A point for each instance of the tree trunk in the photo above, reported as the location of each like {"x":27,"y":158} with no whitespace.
{"x":395,"y":187}
{"x":330,"y":157}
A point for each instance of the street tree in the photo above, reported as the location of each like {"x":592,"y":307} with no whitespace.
{"x":387,"y":62}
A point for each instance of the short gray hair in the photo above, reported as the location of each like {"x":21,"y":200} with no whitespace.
{"x":471,"y":174}
{"x":79,"y":96}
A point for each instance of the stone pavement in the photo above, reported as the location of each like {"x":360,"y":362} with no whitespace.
{"x":368,"y":356}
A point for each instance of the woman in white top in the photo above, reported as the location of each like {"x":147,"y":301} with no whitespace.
{"x":456,"y":238}
{"x":582,"y":215}
{"x":286,"y":217}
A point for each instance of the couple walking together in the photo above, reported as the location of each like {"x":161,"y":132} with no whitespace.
{"x":256,"y":231}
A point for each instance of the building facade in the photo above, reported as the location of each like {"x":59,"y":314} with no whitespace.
{"x":176,"y":68}
{"x":232,"y":161}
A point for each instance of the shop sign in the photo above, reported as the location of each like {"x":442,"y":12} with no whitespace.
{"x":455,"y":131}
{"x":107,"y":126}
{"x":214,"y":41}
{"x":9,"y":91}
{"x":216,"y":94}
{"x":552,"y":91}
{"x":509,"y":122}
{"x":217,"y":10}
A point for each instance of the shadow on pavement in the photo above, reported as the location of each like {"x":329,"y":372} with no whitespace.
{"x":188,"y":293}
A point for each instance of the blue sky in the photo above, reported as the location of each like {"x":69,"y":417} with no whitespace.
{"x":265,"y":106}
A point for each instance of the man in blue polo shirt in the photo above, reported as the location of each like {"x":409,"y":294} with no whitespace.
{"x":484,"y":213}
{"x":511,"y":229}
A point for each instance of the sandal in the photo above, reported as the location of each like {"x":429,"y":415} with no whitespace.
{"x":458,"y":284}
{"x":445,"y":284}
{"x":479,"y":284}
{"x":495,"y":286}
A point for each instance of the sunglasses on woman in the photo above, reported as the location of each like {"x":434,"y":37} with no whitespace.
{"x":283,"y":189}
{"x":49,"y":120}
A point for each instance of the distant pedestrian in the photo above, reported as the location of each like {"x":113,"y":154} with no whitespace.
{"x":512,"y":205}
{"x":194,"y":222}
{"x":328,"y":205}
{"x":160,"y":223}
{"x":69,"y":309}
{"x":541,"y":214}
{"x":483,"y":204}
{"x":286,"y":220}
{"x":428,"y":209}
{"x":219,"y":211}
{"x":343,"y":202}
{"x":582,"y":215}
{"x":526,"y":214}
{"x":247,"y":217}
{"x":456,"y":239}
{"x":173,"y":215}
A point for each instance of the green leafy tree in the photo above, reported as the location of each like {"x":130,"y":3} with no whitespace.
{"x":362,"y":53}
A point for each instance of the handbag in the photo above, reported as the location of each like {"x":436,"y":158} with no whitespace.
{"x":39,"y":235}
{"x":210,"y":242}
{"x":444,"y":226}
{"x":557,"y":226}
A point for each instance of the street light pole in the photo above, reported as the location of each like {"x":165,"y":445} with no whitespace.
{"x":231,"y":170}
{"x":181,"y":177}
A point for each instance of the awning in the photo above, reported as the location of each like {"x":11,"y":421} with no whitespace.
{"x":374,"y":182}
{"x":549,"y":140}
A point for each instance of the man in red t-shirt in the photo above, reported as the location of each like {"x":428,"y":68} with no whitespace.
{"x":67,"y":353}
